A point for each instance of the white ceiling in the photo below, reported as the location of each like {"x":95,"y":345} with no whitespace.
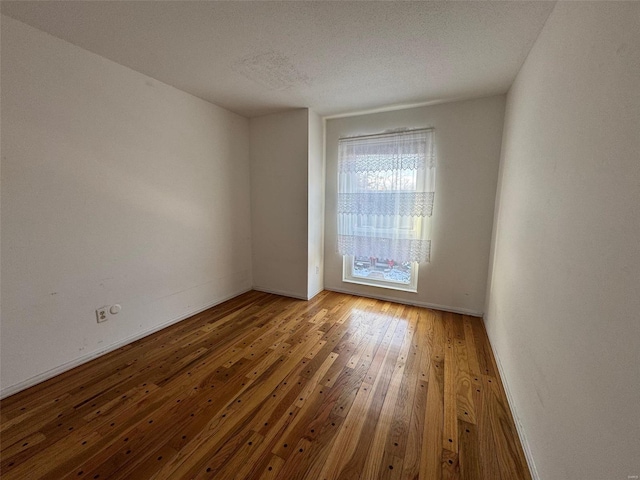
{"x":256,"y":58}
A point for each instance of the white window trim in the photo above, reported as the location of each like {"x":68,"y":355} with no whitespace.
{"x":347,"y":276}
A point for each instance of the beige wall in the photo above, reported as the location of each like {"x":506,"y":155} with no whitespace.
{"x":116,"y":188}
{"x":468,"y":137}
{"x":279,"y":204}
{"x":564,"y":294}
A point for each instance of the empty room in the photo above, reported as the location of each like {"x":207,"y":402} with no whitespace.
{"x":320,"y":240}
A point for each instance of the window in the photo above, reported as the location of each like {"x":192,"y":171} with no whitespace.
{"x":385,"y":200}
{"x":380,"y":272}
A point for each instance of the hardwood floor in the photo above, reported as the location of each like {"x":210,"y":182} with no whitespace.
{"x":265,"y":386}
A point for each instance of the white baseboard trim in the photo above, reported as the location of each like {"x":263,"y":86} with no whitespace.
{"x":433,"y":306}
{"x":280,"y":292}
{"x":41,"y":377}
{"x":519,"y":427}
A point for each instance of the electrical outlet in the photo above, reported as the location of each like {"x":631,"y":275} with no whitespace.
{"x":105,"y":313}
{"x":102,"y":314}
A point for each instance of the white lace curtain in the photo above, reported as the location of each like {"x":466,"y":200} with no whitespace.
{"x":385,"y":196}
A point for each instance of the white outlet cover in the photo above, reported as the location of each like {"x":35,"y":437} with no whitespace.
{"x":102,"y":314}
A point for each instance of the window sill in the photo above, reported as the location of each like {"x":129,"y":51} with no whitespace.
{"x":386,"y":286}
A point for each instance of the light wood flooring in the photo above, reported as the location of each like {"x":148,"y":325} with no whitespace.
{"x":265,"y":386}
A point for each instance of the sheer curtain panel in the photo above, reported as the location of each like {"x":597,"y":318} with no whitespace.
{"x":385,"y":196}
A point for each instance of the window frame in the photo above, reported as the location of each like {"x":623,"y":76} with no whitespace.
{"x":422,"y":183}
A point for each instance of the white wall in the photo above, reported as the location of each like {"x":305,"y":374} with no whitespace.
{"x":115,"y":189}
{"x":468,"y":138}
{"x":287,"y":203}
{"x":563,"y":301}
{"x":279,"y":204}
{"x":315,"y":267}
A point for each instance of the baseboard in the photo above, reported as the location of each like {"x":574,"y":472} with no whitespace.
{"x":519,"y":427}
{"x":433,"y":306}
{"x":316,"y":293}
{"x":12,"y":389}
{"x":280,"y":292}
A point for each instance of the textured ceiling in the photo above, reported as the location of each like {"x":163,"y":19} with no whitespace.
{"x":256,"y":58}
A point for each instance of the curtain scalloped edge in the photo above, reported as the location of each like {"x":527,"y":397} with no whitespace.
{"x":400,"y":250}
{"x":404,"y":204}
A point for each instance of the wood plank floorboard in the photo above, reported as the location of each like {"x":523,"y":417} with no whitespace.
{"x":263,"y":386}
